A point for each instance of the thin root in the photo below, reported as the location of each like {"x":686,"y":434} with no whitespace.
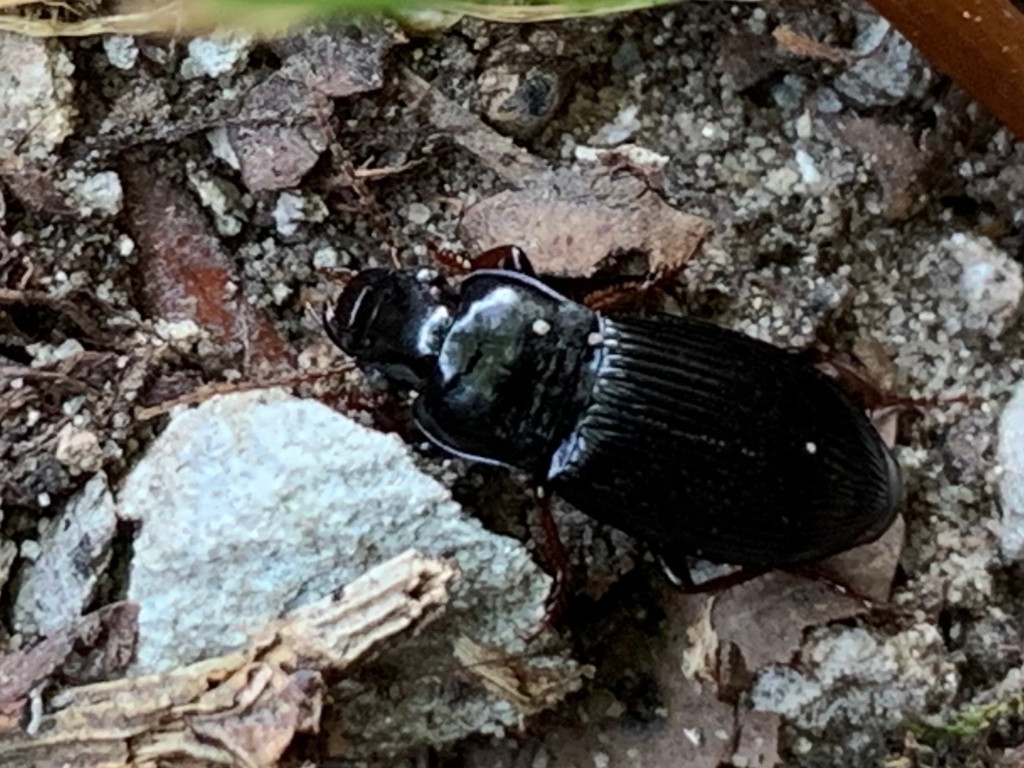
{"x":207,"y":391}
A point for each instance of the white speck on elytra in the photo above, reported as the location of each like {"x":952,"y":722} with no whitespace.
{"x":812,"y":448}
{"x":540,"y":327}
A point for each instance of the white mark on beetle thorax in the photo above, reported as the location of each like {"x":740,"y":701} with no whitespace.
{"x":431,"y":330}
{"x":486,"y":314}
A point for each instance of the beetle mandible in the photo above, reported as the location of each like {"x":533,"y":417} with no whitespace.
{"x":697,"y":440}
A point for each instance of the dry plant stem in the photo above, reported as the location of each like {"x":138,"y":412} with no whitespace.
{"x":529,"y":14}
{"x":242,"y":708}
{"x":529,"y":688}
{"x":10,"y":372}
{"x":165,"y":18}
{"x":207,"y":391}
{"x":979,"y":43}
{"x":371,"y":174}
{"x":199,"y":16}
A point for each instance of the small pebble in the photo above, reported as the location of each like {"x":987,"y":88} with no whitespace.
{"x":417,"y":213}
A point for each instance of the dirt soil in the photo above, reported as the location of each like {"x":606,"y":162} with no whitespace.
{"x":171,"y":209}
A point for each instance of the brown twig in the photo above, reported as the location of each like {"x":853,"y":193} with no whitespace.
{"x":207,"y":391}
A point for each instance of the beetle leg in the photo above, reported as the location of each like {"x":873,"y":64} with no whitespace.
{"x":454,"y":263}
{"x":554,"y":558}
{"x":629,"y":292}
{"x":508,"y":257}
{"x":859,"y":383}
{"x":596,"y":292}
{"x":625,"y":293}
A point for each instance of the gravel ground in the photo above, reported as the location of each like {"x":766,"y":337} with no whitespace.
{"x":860,"y":205}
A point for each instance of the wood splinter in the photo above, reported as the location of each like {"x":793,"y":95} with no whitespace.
{"x":241,"y":709}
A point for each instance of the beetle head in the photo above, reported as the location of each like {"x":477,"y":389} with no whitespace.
{"x":393,"y":321}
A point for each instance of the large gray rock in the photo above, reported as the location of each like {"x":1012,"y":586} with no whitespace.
{"x":254,"y":503}
{"x":75,"y":551}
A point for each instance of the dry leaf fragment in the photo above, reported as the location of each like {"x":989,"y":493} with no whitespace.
{"x":280,"y":133}
{"x":798,"y":44}
{"x":22,"y":670}
{"x":283,"y":125}
{"x":868,"y":570}
{"x":895,"y":159}
{"x":101,"y":643}
{"x":572,"y":226}
{"x":694,"y":727}
{"x":757,"y":745}
{"x":700,"y":656}
{"x":259,"y":732}
{"x":107,"y":636}
{"x":531,"y":688}
{"x":764,"y":619}
{"x":339,"y":62}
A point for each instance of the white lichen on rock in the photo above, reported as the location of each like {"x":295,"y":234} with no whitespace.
{"x":216,"y":56}
{"x":95,"y":193}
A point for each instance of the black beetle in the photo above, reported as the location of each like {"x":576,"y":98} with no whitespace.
{"x":697,"y":440}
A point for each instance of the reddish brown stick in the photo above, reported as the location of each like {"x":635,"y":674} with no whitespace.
{"x":979,"y":43}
